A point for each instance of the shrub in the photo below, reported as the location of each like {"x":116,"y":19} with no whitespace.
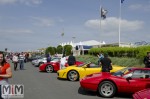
{"x":123,"y":61}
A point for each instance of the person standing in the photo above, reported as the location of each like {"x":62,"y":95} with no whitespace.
{"x":5,"y":71}
{"x":106,"y":64}
{"x":146,"y":60}
{"x":100,"y":57}
{"x":48,"y":57}
{"x":71,"y":60}
{"x":21,"y":61}
{"x":62,"y":62}
{"x":15,"y":61}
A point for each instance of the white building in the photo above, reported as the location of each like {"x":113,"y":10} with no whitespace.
{"x":82,"y":47}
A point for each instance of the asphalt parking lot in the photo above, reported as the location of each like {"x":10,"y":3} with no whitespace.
{"x":41,"y":85}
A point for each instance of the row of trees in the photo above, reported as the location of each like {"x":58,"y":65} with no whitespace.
{"x":59,"y":50}
{"x":138,"y":52}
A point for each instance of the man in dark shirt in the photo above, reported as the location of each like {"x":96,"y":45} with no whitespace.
{"x":147,"y":60}
{"x":71,"y":60}
{"x":106,"y":63}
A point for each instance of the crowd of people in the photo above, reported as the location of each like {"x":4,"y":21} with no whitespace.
{"x":70,"y":60}
{"x":19,"y":58}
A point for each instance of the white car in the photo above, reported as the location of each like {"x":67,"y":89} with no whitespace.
{"x":40,"y":61}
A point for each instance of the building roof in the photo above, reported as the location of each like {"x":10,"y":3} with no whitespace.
{"x":89,"y":43}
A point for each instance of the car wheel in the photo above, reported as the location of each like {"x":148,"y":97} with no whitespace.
{"x":107,"y":89}
{"x":49,"y":69}
{"x":73,"y":75}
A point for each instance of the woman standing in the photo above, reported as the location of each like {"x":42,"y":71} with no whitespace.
{"x":5,"y":71}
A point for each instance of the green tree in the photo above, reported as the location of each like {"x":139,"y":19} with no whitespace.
{"x":55,"y":50}
{"x":50,"y":50}
{"x":59,"y":49}
{"x":67,"y":49}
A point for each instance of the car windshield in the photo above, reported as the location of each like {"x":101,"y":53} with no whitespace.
{"x":55,"y":59}
{"x":122,"y":71}
{"x":84,"y":64}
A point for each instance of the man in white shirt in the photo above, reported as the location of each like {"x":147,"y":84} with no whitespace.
{"x":62,"y":62}
{"x":15,"y":61}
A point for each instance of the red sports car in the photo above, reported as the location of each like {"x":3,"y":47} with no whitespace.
{"x":143,"y":94}
{"x":127,"y":80}
{"x":54,"y":65}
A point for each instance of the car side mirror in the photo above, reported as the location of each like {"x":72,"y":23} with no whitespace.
{"x":128,"y":78}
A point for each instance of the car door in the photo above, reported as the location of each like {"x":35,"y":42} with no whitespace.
{"x":145,"y":81}
{"x":129,"y":82}
{"x":138,"y":81}
{"x":123,"y":83}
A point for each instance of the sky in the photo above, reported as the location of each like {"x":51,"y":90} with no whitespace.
{"x":27,"y":25}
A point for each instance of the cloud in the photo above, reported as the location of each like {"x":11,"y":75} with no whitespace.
{"x":60,"y":19}
{"x":31,"y":2}
{"x":140,"y":7}
{"x":43,"y":22}
{"x":8,"y":1}
{"x":26,"y":2}
{"x":111,"y":24}
{"x":15,"y":31}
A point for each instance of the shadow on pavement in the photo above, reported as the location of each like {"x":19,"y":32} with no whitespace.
{"x":92,"y":93}
{"x":87,"y":92}
{"x":63,"y":79}
{"x":124,"y":95}
{"x":46,"y":72}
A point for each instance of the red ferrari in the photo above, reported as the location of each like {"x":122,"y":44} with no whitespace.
{"x":127,"y":80}
{"x":143,"y":94}
{"x":54,"y":65}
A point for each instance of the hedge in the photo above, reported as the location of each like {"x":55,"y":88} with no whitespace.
{"x":137,"y":52}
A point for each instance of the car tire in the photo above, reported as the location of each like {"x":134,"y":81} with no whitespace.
{"x":73,"y":75}
{"x":49,"y":69}
{"x":107,"y":89}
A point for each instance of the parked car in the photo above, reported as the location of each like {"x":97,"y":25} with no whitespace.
{"x":30,"y":59}
{"x":127,"y":80}
{"x":38,"y":62}
{"x":143,"y":94}
{"x":74,"y":73}
{"x":54,"y":65}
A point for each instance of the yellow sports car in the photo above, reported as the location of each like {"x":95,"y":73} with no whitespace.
{"x":74,"y":73}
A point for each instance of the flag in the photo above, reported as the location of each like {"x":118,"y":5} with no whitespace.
{"x":122,"y":1}
{"x":62,"y":34}
{"x":103,"y":13}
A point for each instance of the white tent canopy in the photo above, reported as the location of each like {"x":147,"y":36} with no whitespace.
{"x":88,"y":43}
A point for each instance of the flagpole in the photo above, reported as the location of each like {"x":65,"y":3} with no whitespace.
{"x":100,"y":22}
{"x":62,"y":38}
{"x":119,"y":21}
